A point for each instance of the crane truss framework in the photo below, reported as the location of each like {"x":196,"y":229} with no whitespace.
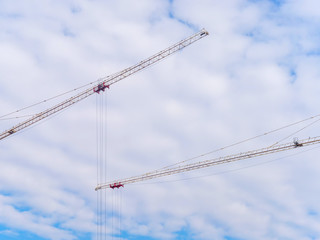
{"x":105,"y":82}
{"x":209,"y":163}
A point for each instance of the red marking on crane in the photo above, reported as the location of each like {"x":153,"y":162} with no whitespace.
{"x":100,"y":87}
{"x":116,"y":185}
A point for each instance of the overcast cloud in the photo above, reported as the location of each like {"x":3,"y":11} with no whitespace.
{"x":258,"y":70}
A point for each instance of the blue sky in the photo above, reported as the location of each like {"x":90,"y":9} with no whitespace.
{"x":258,"y":70}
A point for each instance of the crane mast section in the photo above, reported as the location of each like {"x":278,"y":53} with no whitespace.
{"x":105,"y":82}
{"x":209,"y":163}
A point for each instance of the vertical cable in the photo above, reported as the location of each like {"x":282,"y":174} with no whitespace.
{"x":100,"y":138}
{"x":99,"y":168}
{"x":101,"y":152}
{"x":97,"y":156}
{"x":120,"y":212}
{"x":119,"y":197}
{"x":105,"y":162}
{"x":101,"y":160}
{"x":112,"y":215}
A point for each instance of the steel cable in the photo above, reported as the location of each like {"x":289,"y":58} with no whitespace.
{"x":246,"y":140}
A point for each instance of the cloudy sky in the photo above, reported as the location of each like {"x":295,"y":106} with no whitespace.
{"x":258,"y":70}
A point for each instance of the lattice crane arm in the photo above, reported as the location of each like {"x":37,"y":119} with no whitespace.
{"x":209,"y":163}
{"x":106,"y":82}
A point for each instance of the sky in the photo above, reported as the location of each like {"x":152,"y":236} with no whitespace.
{"x":258,"y":70}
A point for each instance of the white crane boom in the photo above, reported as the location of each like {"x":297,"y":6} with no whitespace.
{"x":105,"y":82}
{"x":209,"y":163}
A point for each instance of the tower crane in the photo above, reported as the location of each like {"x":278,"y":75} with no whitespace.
{"x":208,"y":163}
{"x":106,"y":82}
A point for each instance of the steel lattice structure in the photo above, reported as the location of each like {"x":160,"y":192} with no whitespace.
{"x":209,"y":163}
{"x":106,"y":82}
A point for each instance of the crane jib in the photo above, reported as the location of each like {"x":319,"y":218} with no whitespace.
{"x":104,"y":83}
{"x":211,"y":162}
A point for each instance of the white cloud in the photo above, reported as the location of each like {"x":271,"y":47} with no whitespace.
{"x":257,"y":70}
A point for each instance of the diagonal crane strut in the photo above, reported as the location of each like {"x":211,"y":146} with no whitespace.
{"x":209,"y":163}
{"x":106,"y":82}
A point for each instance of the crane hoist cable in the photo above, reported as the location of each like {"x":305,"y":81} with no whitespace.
{"x":208,"y":163}
{"x":292,"y":134}
{"x":43,"y":101}
{"x":106,"y":82}
{"x":228,"y":171}
{"x":251,"y":138}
